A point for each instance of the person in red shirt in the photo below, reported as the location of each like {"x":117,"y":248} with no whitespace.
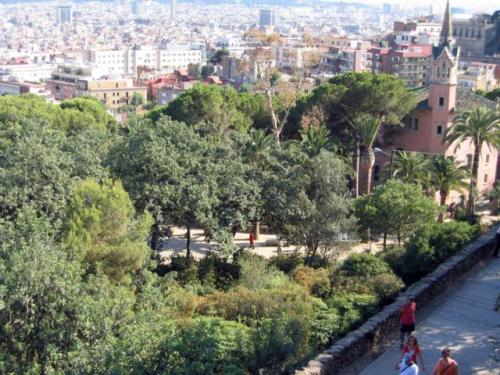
{"x":407,"y":319}
{"x":446,"y":365}
{"x":251,"y":239}
{"x":412,"y":349}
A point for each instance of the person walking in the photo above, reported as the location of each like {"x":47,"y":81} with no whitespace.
{"x":446,"y":365}
{"x":407,"y":319}
{"x":407,"y":366}
{"x":251,"y":239}
{"x":413,"y":349}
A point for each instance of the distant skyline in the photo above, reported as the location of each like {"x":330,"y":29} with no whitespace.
{"x":475,"y":6}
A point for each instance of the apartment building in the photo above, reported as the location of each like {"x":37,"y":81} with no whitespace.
{"x":477,"y":35}
{"x":114,"y":93}
{"x":19,"y":88}
{"x":179,"y":56}
{"x":109,"y":61}
{"x":291,"y":57}
{"x":479,"y":76}
{"x":62,"y":83}
{"x":345,"y":59}
{"x":26,"y":72}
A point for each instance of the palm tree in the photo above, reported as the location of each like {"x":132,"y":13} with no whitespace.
{"x":313,"y":140}
{"x":412,"y":168}
{"x":447,"y":175}
{"x":480,"y":126}
{"x":258,"y":145}
{"x":368,"y":127}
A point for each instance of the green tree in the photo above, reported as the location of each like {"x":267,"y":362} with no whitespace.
{"x":446,"y":176}
{"x":480,"y":127}
{"x":219,"y":55}
{"x":395,"y":208}
{"x":216,"y":106}
{"x":102,"y":229}
{"x":39,"y":165}
{"x":320,"y":208}
{"x":137,"y":100}
{"x":346,"y":96}
{"x":87,"y":112}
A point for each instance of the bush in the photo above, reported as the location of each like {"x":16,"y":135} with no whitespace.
{"x":428,"y":247}
{"x":387,"y":286}
{"x":287,"y":263}
{"x":325,"y":324}
{"x":364,"y":265}
{"x":256,"y":273}
{"x":218,"y":272}
{"x":315,"y":281}
{"x":353,"y":308}
{"x":242,"y":304}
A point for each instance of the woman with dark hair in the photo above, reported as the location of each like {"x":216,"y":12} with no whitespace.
{"x":446,"y":365}
{"x":412,"y":350}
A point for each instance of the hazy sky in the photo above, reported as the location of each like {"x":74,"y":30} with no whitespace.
{"x":473,"y":5}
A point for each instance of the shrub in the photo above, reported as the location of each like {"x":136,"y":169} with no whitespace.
{"x":353,"y":308}
{"x":242,"y":304}
{"x":393,"y":256}
{"x":364,"y":265}
{"x":325,"y":324}
{"x":279,"y":344}
{"x":286,"y":263}
{"x":256,"y":273}
{"x":430,"y":246}
{"x":386,"y":286}
{"x":218,"y":272}
{"x":315,"y":281}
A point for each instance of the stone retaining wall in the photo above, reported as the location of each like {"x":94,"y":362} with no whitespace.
{"x":368,"y":338}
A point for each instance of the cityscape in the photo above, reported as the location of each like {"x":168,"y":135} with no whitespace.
{"x":250,"y":187}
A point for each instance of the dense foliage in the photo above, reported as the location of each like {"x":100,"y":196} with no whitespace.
{"x":83,"y":202}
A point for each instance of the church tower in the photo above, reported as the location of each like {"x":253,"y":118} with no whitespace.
{"x":443,"y":82}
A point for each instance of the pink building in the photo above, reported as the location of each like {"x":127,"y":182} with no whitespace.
{"x":439,"y":103}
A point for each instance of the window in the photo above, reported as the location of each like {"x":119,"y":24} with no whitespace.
{"x":487,"y":159}
{"x":415,"y":124}
{"x":485,"y":178}
{"x":441,"y":101}
{"x":439,"y":130}
{"x":469,"y":160}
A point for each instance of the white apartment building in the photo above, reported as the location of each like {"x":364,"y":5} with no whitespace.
{"x":179,"y":56}
{"x":108,"y":61}
{"x":296,"y":57}
{"x":26,"y":72}
{"x":125,"y":61}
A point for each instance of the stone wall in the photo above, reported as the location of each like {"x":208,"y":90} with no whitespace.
{"x":369,"y":337}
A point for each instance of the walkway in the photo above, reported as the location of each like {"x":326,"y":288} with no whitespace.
{"x":465,"y":321}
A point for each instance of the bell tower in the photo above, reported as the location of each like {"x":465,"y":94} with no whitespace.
{"x":443,"y":81}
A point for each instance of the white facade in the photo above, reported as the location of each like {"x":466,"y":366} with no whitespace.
{"x":26,"y":72}
{"x":126,"y":61}
{"x":109,"y":61}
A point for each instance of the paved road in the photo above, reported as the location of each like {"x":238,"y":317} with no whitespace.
{"x":466,"y":321}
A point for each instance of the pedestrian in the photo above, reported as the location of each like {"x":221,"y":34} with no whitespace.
{"x":413,"y":349}
{"x":251,"y":239}
{"x":407,"y":319}
{"x":446,"y":365}
{"x":407,"y":366}
{"x":497,"y":243}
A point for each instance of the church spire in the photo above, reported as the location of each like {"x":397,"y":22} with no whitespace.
{"x":445,"y":37}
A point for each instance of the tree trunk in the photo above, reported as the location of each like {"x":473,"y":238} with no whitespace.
{"x":188,"y":242}
{"x":357,"y":157}
{"x":256,"y":229}
{"x":155,"y":235}
{"x":443,"y":195}
{"x":385,"y":240}
{"x":473,"y":181}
